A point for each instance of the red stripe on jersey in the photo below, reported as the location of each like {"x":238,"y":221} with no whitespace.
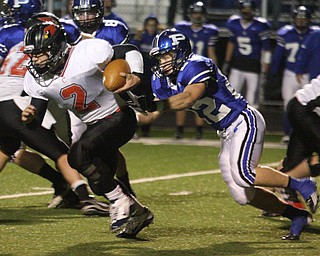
{"x":67,"y":62}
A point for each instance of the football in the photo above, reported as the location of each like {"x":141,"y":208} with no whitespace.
{"x":111,"y":75}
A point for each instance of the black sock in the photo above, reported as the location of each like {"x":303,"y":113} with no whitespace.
{"x":125,"y":181}
{"x":82,"y":192}
{"x":291,"y":212}
{"x":51,"y":174}
{"x":199,"y":129}
{"x":180,"y":129}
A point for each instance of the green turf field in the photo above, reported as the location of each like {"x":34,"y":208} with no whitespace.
{"x":193,"y":215}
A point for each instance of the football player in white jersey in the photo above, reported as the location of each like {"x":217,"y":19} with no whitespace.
{"x":72,"y":77}
{"x":13,"y":69}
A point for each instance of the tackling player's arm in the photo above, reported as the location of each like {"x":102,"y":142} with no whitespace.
{"x":180,"y":101}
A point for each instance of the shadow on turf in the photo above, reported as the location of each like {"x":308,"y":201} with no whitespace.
{"x":35,"y":215}
{"x":122,"y":247}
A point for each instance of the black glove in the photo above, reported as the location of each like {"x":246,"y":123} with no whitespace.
{"x":147,"y":104}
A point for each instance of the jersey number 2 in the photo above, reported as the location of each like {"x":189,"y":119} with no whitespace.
{"x":79,"y":96}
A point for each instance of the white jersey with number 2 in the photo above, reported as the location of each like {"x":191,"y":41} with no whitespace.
{"x":80,"y":87}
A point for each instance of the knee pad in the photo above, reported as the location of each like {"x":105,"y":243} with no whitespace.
{"x":100,"y":177}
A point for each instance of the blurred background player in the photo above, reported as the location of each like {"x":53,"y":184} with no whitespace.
{"x":13,"y":69}
{"x":203,"y":38}
{"x":143,"y":40}
{"x":289,"y":40}
{"x":248,"y":52}
{"x":308,"y":58}
{"x":109,"y":14}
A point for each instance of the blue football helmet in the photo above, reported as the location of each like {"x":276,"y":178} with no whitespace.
{"x":174,"y":41}
{"x":247,"y":3}
{"x":200,"y":8}
{"x":301,"y":12}
{"x":88,"y":14}
{"x":19,"y":11}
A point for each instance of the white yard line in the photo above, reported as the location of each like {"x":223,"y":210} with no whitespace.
{"x":136,"y":181}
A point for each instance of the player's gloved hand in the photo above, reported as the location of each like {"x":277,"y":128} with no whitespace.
{"x":225,"y":68}
{"x":147,"y":104}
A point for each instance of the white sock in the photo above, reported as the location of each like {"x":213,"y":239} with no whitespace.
{"x":115,"y":194}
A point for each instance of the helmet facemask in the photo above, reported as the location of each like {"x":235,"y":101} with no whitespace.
{"x":88,"y":17}
{"x":171,"y":42}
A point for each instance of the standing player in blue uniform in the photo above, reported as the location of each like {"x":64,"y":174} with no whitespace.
{"x":308,"y":61}
{"x":203,"y":38}
{"x":183,"y":80}
{"x":248,"y":51}
{"x":289,"y":40}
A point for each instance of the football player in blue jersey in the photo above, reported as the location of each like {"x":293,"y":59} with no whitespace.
{"x":289,"y":40}
{"x":203,"y":38}
{"x":184,"y":80}
{"x":109,"y":14}
{"x":248,"y":51}
{"x":13,"y":69}
{"x":308,"y":57}
{"x":88,"y":16}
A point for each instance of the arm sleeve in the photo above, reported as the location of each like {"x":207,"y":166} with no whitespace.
{"x":41,"y":106}
{"x":131,"y":54}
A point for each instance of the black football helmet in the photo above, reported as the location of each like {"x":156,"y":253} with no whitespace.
{"x":42,"y":17}
{"x":50,"y":39}
{"x":88,"y":14}
{"x":170,"y":40}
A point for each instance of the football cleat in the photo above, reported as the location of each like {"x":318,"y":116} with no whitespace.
{"x":290,"y":196}
{"x":136,"y":223}
{"x":120,"y":213}
{"x":298,"y":224}
{"x":93,"y":207}
{"x":308,"y":195}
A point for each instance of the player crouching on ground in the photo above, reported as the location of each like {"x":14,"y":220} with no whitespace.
{"x":72,"y":76}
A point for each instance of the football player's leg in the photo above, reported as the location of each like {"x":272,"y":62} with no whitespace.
{"x":236,"y":79}
{"x":253,"y":90}
{"x":122,"y":173}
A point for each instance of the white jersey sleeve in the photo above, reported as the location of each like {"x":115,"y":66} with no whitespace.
{"x":309,"y":91}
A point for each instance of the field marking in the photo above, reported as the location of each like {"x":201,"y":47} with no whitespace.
{"x":136,"y":181}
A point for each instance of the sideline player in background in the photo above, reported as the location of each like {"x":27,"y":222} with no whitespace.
{"x":72,"y":77}
{"x":185,"y":80}
{"x":248,"y":52}
{"x":203,"y":38}
{"x":289,"y":40}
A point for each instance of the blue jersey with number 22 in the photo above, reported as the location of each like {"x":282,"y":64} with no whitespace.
{"x":220,"y":105}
